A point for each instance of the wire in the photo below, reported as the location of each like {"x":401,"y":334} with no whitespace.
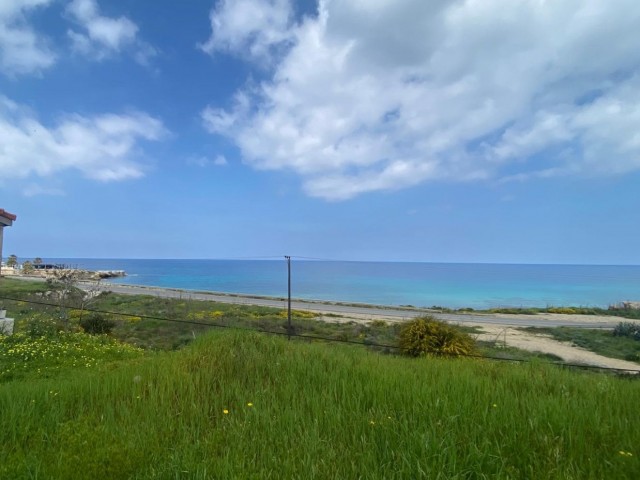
{"x":317,"y":337}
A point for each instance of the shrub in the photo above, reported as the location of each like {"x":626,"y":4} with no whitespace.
{"x":627,"y":329}
{"x":378,"y":323}
{"x":429,"y":336}
{"x":97,"y":324}
{"x":38,"y":326}
{"x":565,"y":310}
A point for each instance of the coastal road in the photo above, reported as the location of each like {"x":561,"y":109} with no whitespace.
{"x":363,"y":311}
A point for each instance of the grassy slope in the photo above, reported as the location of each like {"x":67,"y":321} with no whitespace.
{"x":319,"y":411}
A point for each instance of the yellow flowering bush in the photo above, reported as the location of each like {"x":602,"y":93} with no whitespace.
{"x":298,"y":314}
{"x":429,"y":336}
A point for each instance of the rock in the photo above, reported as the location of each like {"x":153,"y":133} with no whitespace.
{"x":626,"y":306}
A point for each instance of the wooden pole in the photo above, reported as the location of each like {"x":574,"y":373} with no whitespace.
{"x":289,"y":329}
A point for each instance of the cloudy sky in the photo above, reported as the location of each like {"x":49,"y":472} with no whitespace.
{"x":440,"y":130}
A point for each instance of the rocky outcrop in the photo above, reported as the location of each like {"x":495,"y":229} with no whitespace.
{"x":100,"y":274}
{"x":626,"y":306}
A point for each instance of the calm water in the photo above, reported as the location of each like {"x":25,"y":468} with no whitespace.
{"x":452,"y":285}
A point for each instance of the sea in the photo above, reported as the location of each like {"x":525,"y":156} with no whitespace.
{"x":452,"y":285}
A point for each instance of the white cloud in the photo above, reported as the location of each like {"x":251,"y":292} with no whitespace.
{"x":104,"y":36}
{"x":33,"y":190}
{"x":382,"y":95}
{"x":22,"y":50}
{"x":102,"y":147}
{"x":252,"y":28}
{"x":218,"y":161}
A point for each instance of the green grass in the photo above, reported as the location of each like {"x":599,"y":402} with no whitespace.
{"x":25,"y":356}
{"x":318,"y":411}
{"x":602,"y":342}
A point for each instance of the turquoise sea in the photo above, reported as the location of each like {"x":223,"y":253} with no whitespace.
{"x":453,"y":285}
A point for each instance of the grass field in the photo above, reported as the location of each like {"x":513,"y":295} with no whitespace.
{"x":236,"y":404}
{"x":245,"y":405}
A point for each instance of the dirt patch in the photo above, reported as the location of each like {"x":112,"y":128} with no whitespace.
{"x":539,"y":342}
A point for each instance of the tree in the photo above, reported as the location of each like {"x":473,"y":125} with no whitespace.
{"x":27,"y":267}
{"x":12,"y":261}
{"x":37,"y":261}
{"x":72,"y":292}
{"x":64,"y":282}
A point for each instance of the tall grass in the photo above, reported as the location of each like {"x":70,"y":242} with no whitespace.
{"x":317,"y":411}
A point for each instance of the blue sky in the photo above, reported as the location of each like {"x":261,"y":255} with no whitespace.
{"x":404,"y":130}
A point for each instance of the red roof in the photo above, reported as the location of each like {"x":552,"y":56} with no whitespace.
{"x":8,"y":215}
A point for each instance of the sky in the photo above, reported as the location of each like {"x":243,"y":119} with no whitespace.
{"x":393,"y":130}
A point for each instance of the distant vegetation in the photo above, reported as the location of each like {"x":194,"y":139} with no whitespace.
{"x":612,"y":311}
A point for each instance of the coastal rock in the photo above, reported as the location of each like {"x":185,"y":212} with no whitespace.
{"x":626,"y":306}
{"x":108,"y":274}
{"x":79,"y":274}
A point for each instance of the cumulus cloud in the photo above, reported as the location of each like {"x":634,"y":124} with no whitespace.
{"x":102,"y":147}
{"x":383,"y":95}
{"x":102,"y":36}
{"x":22,"y":50}
{"x":251,"y":28}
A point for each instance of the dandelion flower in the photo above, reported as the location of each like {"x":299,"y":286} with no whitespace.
{"x":249,"y":404}
{"x":225,"y":411}
{"x":495,"y":405}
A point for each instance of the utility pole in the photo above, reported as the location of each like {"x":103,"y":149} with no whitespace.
{"x":289,"y":329}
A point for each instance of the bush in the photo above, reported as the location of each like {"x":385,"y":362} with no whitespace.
{"x":429,"y":336}
{"x":627,"y":329}
{"x":565,"y":310}
{"x":38,"y":326}
{"x":97,"y":324}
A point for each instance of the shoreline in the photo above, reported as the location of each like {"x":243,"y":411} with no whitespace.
{"x":454,"y":288}
{"x":357,"y":310}
{"x":361,"y":311}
